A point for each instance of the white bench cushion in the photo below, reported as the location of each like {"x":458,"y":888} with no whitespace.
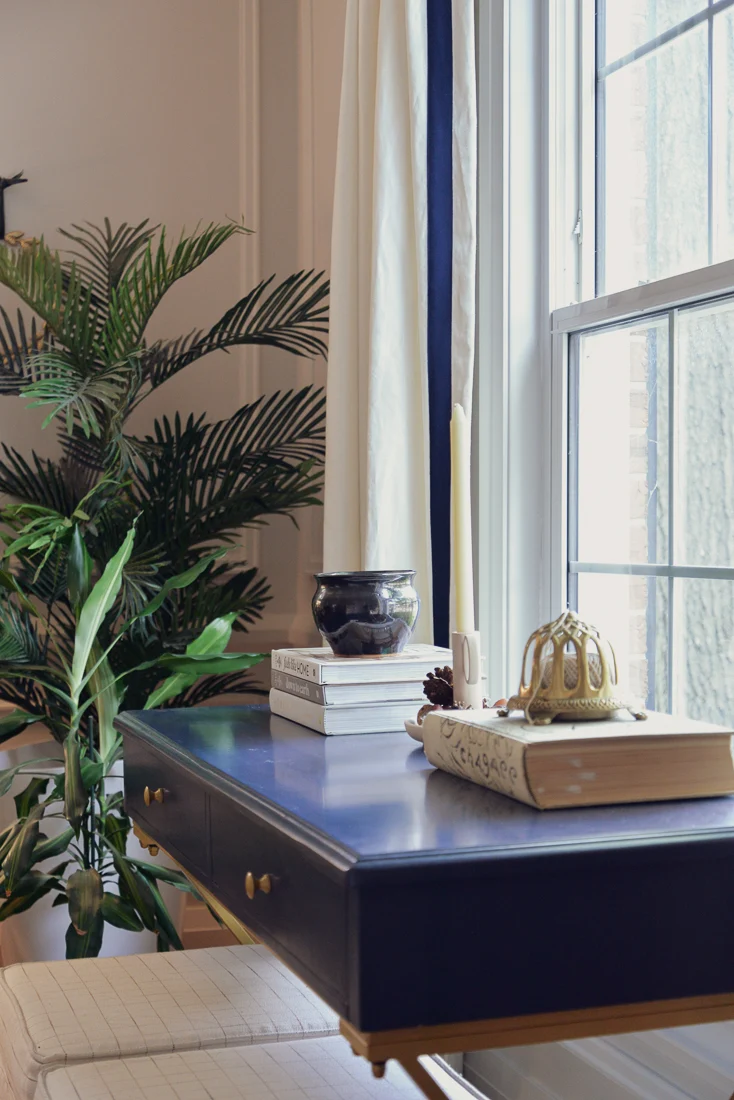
{"x":77,"y":1011}
{"x":311,"y":1069}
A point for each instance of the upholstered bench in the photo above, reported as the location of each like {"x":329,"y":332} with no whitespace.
{"x":59,"y":1013}
{"x":311,"y":1069}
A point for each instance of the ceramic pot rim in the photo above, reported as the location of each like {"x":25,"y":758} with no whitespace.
{"x":365,"y":575}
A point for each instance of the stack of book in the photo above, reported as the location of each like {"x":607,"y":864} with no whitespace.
{"x":352,"y":694}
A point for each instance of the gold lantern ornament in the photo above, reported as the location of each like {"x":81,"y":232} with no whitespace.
{"x":573,"y":675}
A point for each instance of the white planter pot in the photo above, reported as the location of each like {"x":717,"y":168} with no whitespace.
{"x":38,"y":935}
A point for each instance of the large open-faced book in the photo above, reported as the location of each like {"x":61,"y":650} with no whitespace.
{"x":583,"y":763}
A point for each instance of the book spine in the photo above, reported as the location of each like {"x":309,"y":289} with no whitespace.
{"x":297,"y":710}
{"x":285,"y":660}
{"x":296,"y":685}
{"x":482,"y":755}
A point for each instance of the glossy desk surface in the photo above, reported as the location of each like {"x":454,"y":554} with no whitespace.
{"x":377,"y":795}
{"x":406,"y":896}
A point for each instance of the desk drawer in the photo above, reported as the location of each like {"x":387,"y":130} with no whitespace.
{"x":305,"y":911}
{"x":179,"y":822}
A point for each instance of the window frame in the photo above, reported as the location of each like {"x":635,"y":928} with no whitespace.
{"x":535,"y":288}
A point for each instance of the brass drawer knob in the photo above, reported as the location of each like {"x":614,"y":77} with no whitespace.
{"x":153,"y":796}
{"x":264,"y":884}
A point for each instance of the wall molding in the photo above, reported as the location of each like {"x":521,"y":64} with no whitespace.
{"x":250,"y":265}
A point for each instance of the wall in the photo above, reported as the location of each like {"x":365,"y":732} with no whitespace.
{"x":184,"y":111}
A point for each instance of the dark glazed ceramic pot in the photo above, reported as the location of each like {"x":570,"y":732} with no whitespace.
{"x":366,"y":614}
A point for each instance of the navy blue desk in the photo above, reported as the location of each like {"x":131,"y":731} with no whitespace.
{"x":429,"y":913}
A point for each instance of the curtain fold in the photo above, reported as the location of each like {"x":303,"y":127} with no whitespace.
{"x":402,"y":299}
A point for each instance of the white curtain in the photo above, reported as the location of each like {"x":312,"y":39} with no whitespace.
{"x":379,"y":452}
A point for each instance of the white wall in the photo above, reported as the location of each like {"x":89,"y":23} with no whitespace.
{"x":151,"y":108}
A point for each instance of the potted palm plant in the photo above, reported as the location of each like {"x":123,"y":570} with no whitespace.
{"x":77,"y":347}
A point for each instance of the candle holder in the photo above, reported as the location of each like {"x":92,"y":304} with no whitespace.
{"x":466,"y":648}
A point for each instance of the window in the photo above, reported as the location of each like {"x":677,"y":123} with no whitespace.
{"x":647,"y":366}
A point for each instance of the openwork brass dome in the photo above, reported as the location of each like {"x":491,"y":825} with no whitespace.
{"x":573,"y":675}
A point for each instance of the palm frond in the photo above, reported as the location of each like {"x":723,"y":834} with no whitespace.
{"x":40,"y":481}
{"x":58,"y":294}
{"x":19,"y":346}
{"x":19,"y":640}
{"x":82,"y":397}
{"x":103,"y":256}
{"x":292,"y":315}
{"x":211,"y":687}
{"x":206,"y":481}
{"x":142,"y":288}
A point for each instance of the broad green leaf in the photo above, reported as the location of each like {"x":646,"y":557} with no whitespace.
{"x":120,"y":913}
{"x":13,"y":723}
{"x":7,"y":838}
{"x":85,"y":945}
{"x":92,"y":772}
{"x":75,"y":794}
{"x":60,"y":899}
{"x":94,"y":610}
{"x":181,"y":580}
{"x":163,"y":918}
{"x":138,"y":891}
{"x":84,"y":890}
{"x":104,"y":689}
{"x":27,"y":799}
{"x":54,"y":846}
{"x":115,"y":830}
{"x":78,"y":570}
{"x":30,"y":889}
{"x":188,"y":669}
{"x":20,"y":856}
{"x":8,"y":774}
{"x":164,"y":874}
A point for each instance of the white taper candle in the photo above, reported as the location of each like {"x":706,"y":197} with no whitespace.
{"x":463,"y":570}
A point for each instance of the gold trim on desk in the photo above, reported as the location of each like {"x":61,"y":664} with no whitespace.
{"x":552,"y":1027}
{"x":228,"y":919}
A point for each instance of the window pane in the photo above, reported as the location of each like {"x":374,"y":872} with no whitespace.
{"x":630,"y":23}
{"x":654,"y":204}
{"x":704,"y":515}
{"x":632,"y":614}
{"x":723,"y":136}
{"x":623,"y":444}
{"x":704,"y":685}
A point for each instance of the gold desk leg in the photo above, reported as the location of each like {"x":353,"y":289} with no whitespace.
{"x":228,"y":919}
{"x":422,"y":1078}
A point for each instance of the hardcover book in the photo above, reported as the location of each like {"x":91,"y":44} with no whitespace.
{"x":321,"y":666}
{"x":376,"y":718}
{"x":327,"y":695}
{"x":583,"y":763}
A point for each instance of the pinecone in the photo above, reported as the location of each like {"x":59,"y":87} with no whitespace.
{"x":438,"y":687}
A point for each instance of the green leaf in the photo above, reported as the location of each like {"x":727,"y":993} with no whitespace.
{"x":13,"y":723}
{"x":187,"y":671}
{"x":7,"y":775}
{"x":31,"y":888}
{"x":78,"y":570}
{"x":138,"y":891}
{"x":96,"y":607}
{"x":20,"y":856}
{"x":84,"y":890}
{"x":163,"y":917}
{"x":7,"y":837}
{"x":88,"y":944}
{"x":54,"y":846}
{"x":27,"y":799}
{"x":116,"y":830}
{"x":120,"y":913}
{"x":75,"y":793}
{"x":164,"y":874}
{"x":181,"y":580}
{"x":92,"y":772}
